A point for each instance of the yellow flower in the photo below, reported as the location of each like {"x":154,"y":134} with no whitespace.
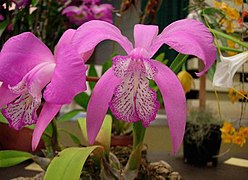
{"x":227,"y":128}
{"x":239,"y":139}
{"x":229,"y":26}
{"x":226,"y":138}
{"x":231,"y":44}
{"x":186,"y":80}
{"x":217,"y":4}
{"x":233,"y":95}
{"x":244,"y":131}
{"x":238,"y":2}
{"x":243,"y":92}
{"x":232,"y":13}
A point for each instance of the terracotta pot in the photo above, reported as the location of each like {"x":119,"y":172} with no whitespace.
{"x":121,"y":140}
{"x":11,"y":139}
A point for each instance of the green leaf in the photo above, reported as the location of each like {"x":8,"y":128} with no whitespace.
{"x":35,"y":2}
{"x":211,"y":72}
{"x":69,"y":163}
{"x":69,"y":115}
{"x":2,"y":118}
{"x":82,"y":100}
{"x":160,"y":57}
{"x":10,"y":158}
{"x":104,"y":136}
{"x":178,"y":62}
{"x":92,"y":72}
{"x":74,"y":138}
{"x":3,"y":26}
{"x":106,"y":66}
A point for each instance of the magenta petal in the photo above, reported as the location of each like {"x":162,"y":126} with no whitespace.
{"x":144,"y":36}
{"x":69,"y":76}
{"x":174,"y":102}
{"x":188,"y":36}
{"x":48,"y":112}
{"x":93,"y":32}
{"x":65,"y":38}
{"x":19,"y":55}
{"x":99,"y":103}
{"x":7,"y":94}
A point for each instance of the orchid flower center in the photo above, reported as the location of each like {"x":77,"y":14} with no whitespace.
{"x":133,"y":100}
{"x":22,"y":111}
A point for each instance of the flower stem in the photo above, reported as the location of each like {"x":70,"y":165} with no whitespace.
{"x":55,"y":142}
{"x":226,"y":36}
{"x":134,"y":160}
{"x":92,"y":79}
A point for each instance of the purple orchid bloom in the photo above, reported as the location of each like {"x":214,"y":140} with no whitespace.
{"x":103,"y":12}
{"x":28,"y":68}
{"x":77,"y":15}
{"x":125,"y":87}
{"x":20,"y":3}
{"x":89,"y":10}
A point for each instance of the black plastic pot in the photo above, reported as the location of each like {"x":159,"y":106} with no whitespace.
{"x":202,"y":153}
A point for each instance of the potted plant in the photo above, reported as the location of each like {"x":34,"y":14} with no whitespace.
{"x":202,"y":138}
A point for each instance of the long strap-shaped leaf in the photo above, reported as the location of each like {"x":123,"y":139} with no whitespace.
{"x":10,"y":158}
{"x":69,"y":163}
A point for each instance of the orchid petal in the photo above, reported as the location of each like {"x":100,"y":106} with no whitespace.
{"x":7,"y":94}
{"x":93,"y":32}
{"x":48,"y":112}
{"x":188,"y":36}
{"x":69,"y":76}
{"x":226,"y":69}
{"x":174,"y":102}
{"x":19,"y":55}
{"x":65,"y":38}
{"x":99,"y":103}
{"x":144,"y":35}
{"x":39,"y":79}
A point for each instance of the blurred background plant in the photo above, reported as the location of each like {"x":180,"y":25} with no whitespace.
{"x":48,"y":19}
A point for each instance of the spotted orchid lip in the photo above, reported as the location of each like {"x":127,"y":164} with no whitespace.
{"x":133,"y":100}
{"x":22,"y":111}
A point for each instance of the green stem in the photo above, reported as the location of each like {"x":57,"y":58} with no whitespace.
{"x":138,"y":137}
{"x":55,"y":142}
{"x":178,"y":62}
{"x":226,"y":36}
{"x":224,"y":48}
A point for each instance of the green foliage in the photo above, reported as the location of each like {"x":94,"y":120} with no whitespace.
{"x":178,"y":62}
{"x":104,"y":136}
{"x":73,"y":137}
{"x":199,"y":125}
{"x":3,"y":26}
{"x":82,"y":100}
{"x":202,"y":116}
{"x":69,"y":115}
{"x":69,"y":163}
{"x":35,"y":2}
{"x":92,"y":72}
{"x":106,"y":66}
{"x":10,"y":158}
{"x":2,"y":119}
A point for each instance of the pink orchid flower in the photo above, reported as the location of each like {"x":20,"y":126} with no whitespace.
{"x":28,"y":68}
{"x":125,"y":87}
{"x":20,"y":3}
